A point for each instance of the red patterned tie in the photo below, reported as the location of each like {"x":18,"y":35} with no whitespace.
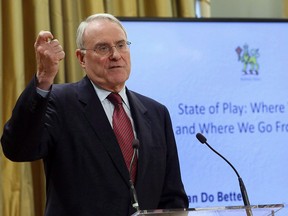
{"x":123,"y":130}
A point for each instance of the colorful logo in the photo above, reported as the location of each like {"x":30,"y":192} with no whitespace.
{"x":249,"y":60}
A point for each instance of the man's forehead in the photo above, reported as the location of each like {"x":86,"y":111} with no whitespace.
{"x":104,"y":29}
{"x":103,"y":32}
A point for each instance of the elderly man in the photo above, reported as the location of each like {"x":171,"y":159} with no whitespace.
{"x":77,"y":129}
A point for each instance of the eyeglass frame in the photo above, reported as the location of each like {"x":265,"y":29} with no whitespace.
{"x":109,"y":51}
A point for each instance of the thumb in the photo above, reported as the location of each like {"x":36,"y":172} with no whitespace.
{"x":43,"y":37}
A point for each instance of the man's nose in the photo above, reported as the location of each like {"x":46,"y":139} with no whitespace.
{"x":115,"y":54}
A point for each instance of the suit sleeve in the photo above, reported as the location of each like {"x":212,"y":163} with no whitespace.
{"x":22,"y":138}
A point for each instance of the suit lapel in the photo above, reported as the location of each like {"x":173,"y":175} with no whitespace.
{"x":96,"y":116}
{"x":143,"y":129}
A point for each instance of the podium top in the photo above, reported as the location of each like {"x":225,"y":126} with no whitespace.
{"x":255,"y":210}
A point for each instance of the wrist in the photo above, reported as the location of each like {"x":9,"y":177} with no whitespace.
{"x":43,"y":83}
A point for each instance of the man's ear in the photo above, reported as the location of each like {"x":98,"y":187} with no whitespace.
{"x":81,"y":57}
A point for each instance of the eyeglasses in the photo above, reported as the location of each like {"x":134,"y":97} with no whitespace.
{"x":106,"y":49}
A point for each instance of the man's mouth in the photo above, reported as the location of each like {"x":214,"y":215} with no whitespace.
{"x":116,"y":66}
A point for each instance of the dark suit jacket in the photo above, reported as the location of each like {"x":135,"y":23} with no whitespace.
{"x":85,"y":170}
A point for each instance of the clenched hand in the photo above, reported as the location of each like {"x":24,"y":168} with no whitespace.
{"x":49,"y":53}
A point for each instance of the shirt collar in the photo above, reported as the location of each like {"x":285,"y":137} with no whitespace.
{"x":102,"y":93}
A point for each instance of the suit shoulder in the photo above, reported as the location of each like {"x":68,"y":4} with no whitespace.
{"x":69,"y":89}
{"x":147,"y":101}
{"x":63,"y":88}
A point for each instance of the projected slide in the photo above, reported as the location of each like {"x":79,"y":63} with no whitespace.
{"x":228,"y":81}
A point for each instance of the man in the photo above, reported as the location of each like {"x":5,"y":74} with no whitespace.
{"x":70,"y":127}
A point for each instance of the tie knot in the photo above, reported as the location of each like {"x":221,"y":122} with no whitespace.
{"x":115,"y":98}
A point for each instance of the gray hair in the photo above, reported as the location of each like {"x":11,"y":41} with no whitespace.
{"x":92,"y":18}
